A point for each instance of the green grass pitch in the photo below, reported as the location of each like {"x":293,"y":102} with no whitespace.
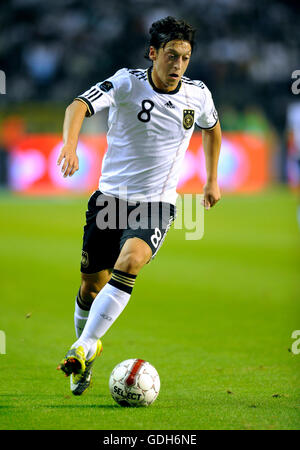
{"x":214,"y":316}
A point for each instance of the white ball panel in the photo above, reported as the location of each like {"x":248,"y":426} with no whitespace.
{"x":150,"y":396}
{"x":119,"y":373}
{"x":157,"y":383}
{"x":145,"y":381}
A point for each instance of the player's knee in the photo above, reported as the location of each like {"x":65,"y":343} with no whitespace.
{"x":131,"y":262}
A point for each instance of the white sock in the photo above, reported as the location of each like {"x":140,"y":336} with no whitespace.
{"x":80,"y":319}
{"x":106,"y":308}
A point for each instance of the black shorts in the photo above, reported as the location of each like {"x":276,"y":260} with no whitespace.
{"x":111,"y":221}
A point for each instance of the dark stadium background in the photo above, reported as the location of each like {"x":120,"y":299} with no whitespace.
{"x":217,"y":313}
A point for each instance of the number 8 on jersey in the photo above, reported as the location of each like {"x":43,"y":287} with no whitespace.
{"x":144,"y":114}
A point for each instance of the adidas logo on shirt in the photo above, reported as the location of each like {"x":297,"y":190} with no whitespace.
{"x":169,"y":104}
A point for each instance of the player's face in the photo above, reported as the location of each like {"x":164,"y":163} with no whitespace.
{"x":170,"y":63}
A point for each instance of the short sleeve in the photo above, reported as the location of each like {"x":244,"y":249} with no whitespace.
{"x":109,"y":92}
{"x":208,"y":116}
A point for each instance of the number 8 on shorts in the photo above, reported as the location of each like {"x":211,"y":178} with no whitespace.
{"x":156,"y":237}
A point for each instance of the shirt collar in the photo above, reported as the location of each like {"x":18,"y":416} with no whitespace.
{"x":149,"y":74}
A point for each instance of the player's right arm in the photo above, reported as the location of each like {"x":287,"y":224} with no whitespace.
{"x":102,"y":95}
{"x":74,"y":116}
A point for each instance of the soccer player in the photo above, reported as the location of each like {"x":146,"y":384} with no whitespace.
{"x":152,"y":114}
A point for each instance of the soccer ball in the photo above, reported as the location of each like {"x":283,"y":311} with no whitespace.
{"x":134,"y":382}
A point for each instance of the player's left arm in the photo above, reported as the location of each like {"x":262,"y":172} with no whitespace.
{"x":211,"y":144}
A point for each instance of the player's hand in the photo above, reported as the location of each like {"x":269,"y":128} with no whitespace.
{"x":211,"y":193}
{"x":70,"y":161}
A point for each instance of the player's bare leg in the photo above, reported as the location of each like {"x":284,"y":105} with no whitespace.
{"x":92,"y":283}
{"x":134,"y":255}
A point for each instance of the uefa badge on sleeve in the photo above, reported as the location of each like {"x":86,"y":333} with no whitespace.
{"x":188,"y":118}
{"x":106,"y":86}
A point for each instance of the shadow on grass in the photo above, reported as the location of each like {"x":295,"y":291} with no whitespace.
{"x":3,"y":407}
{"x":17,"y":401}
{"x":80,"y":406}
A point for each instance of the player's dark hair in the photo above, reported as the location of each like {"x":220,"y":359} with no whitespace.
{"x":169,"y":29}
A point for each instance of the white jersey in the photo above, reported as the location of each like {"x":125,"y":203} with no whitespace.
{"x":149,"y":132}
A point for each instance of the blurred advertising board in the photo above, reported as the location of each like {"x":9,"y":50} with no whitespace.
{"x":244,"y":164}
